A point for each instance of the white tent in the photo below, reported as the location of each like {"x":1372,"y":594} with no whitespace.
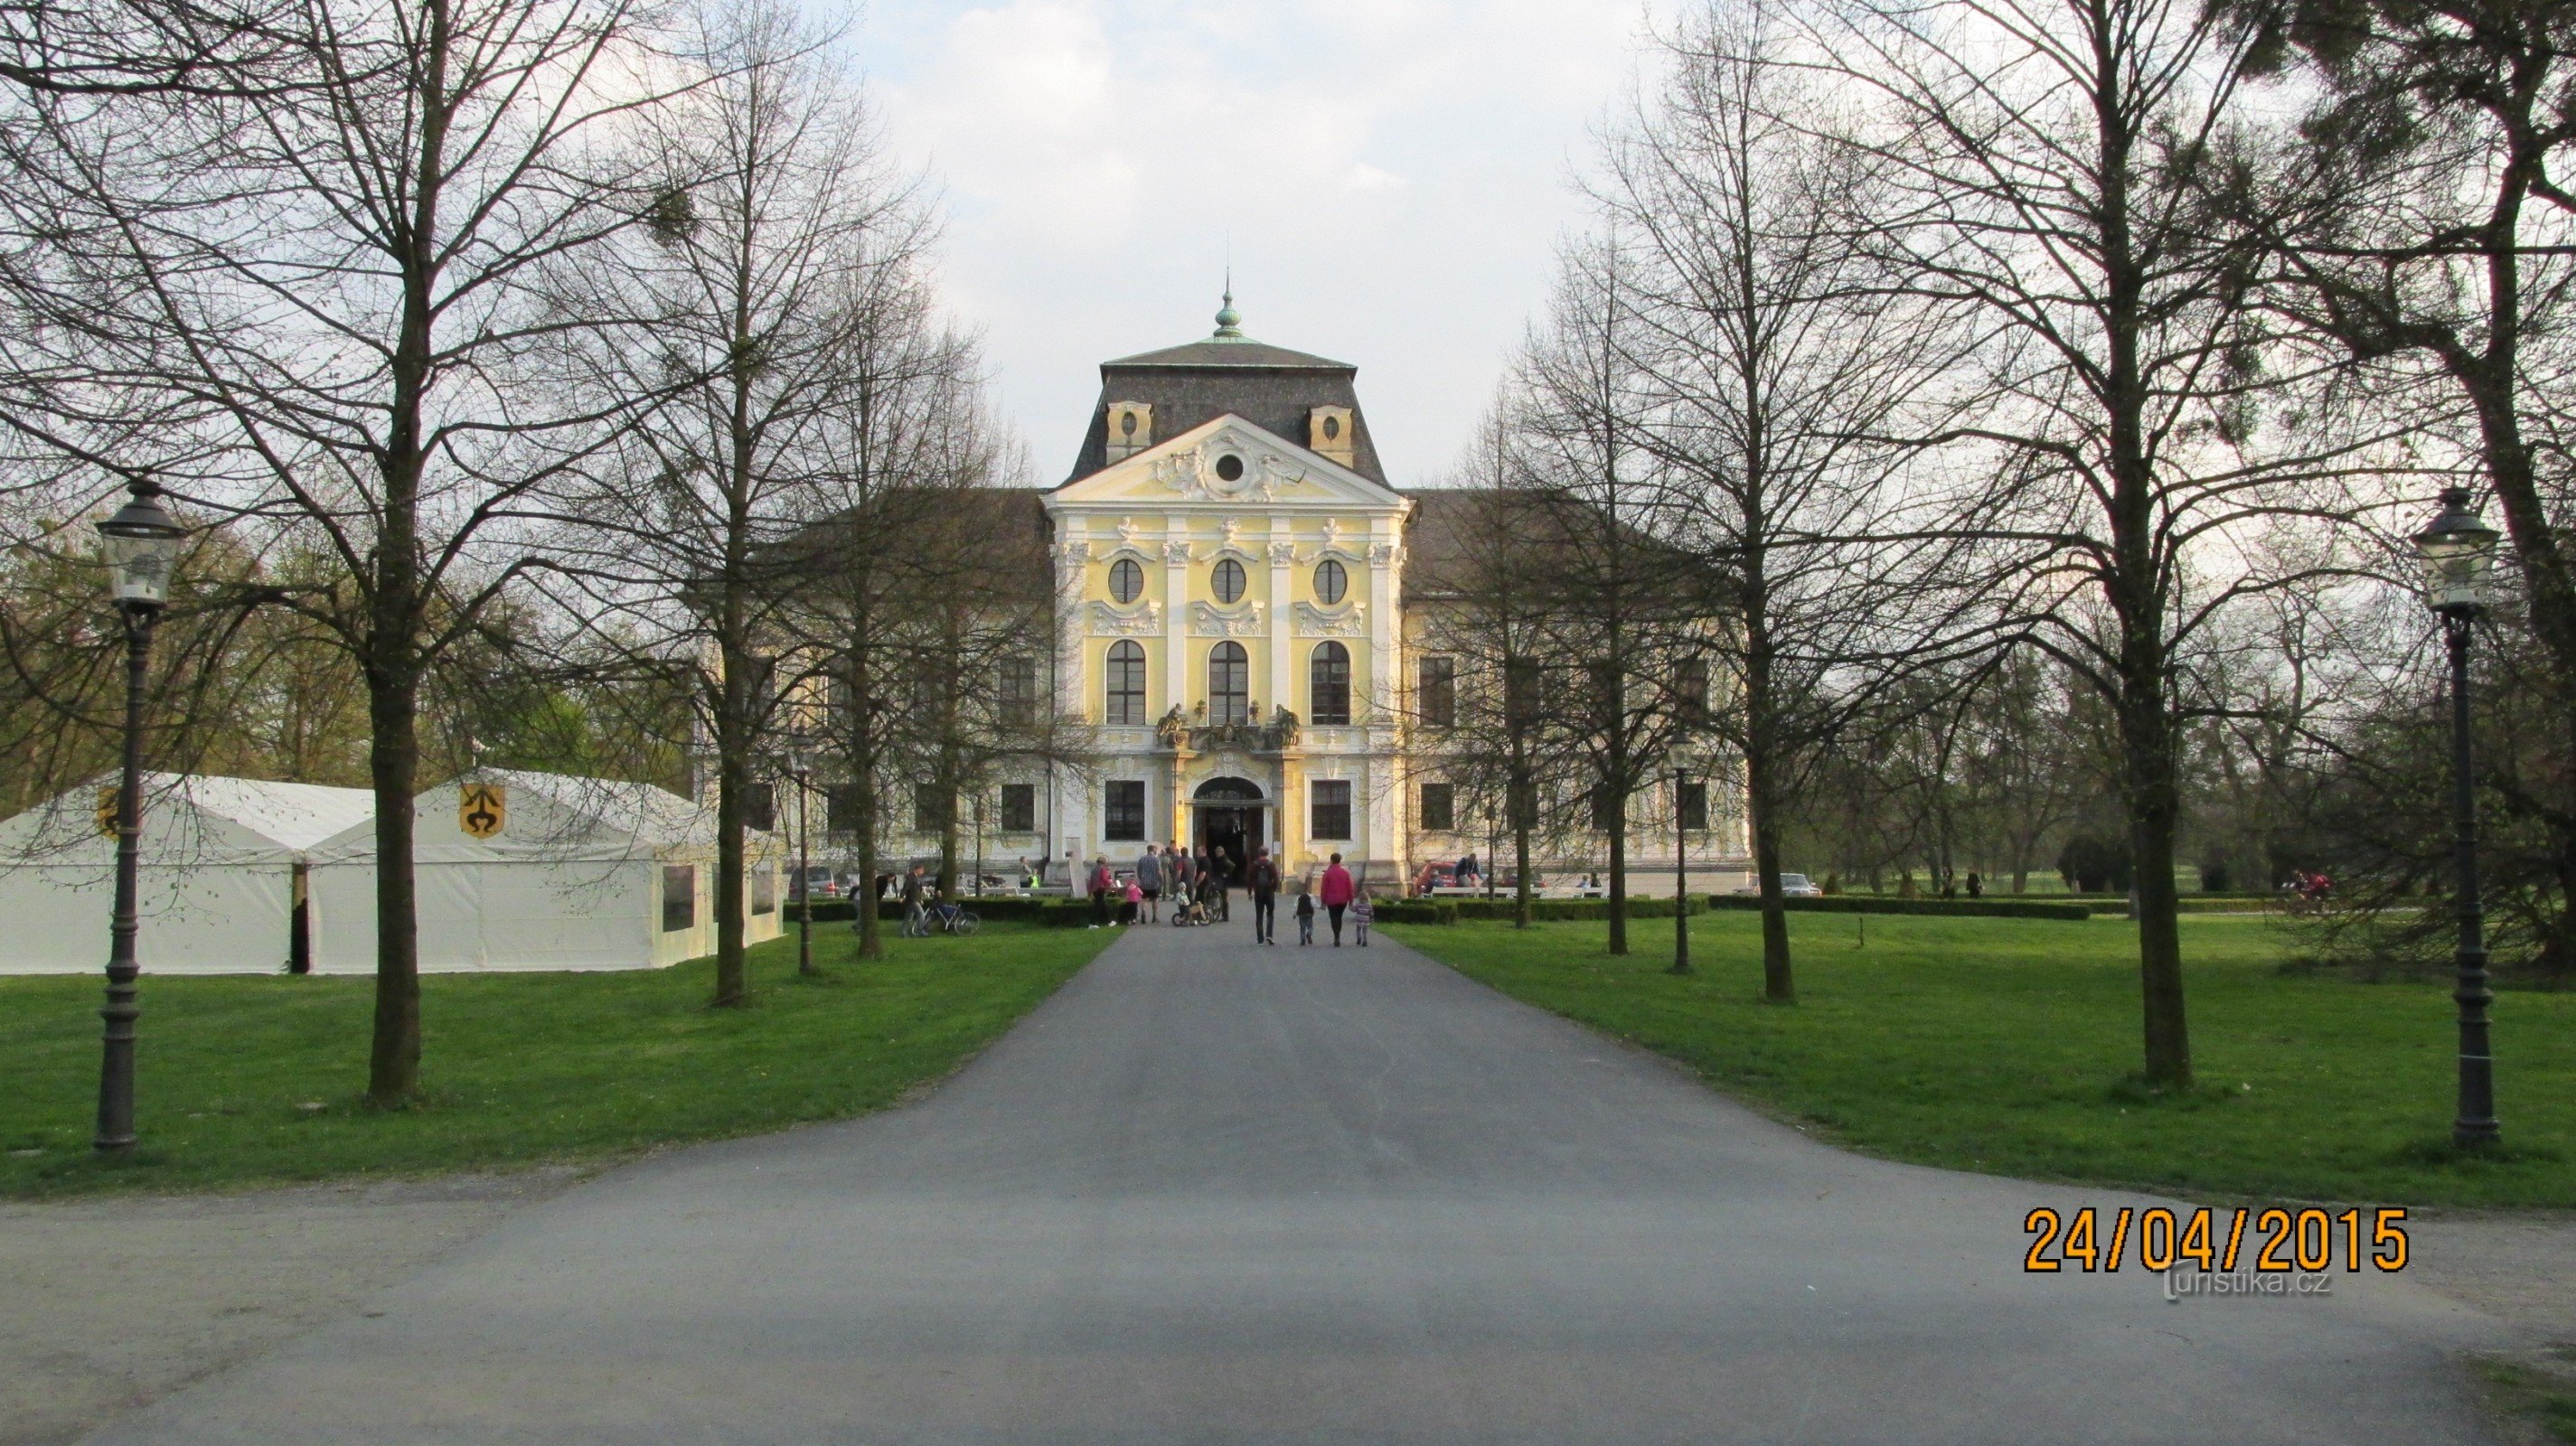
{"x":221,"y":859}
{"x":521,"y":870}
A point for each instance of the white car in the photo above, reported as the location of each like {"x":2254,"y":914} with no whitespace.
{"x":1792,"y":886}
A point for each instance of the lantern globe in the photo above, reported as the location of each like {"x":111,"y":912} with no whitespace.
{"x":142,"y":544}
{"x":2458,"y":555}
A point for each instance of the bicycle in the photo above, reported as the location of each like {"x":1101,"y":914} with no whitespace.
{"x":931,"y":916}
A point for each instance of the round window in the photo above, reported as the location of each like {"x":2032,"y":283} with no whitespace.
{"x":1332,"y":428}
{"x":1126,"y":424}
{"x":1126,"y":580}
{"x":1331,"y":582}
{"x":1229,"y":468}
{"x":1229,"y":580}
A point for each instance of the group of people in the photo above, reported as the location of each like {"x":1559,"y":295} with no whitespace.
{"x":1196,"y":886}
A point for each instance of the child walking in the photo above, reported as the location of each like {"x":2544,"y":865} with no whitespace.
{"x":1362,"y":911}
{"x":1305,"y":916}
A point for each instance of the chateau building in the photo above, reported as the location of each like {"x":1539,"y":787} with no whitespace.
{"x":1231,"y":606}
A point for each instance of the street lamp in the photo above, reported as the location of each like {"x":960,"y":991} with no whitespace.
{"x":798,"y":768}
{"x":1681,"y":879}
{"x":2458,"y":552}
{"x":142,"y":544}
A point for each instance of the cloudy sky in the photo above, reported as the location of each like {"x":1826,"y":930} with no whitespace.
{"x":1391,"y":174}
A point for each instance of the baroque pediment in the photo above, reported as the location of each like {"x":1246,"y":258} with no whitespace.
{"x":1227,"y":463}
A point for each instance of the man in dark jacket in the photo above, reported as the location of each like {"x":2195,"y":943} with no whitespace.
{"x":1263,"y":880}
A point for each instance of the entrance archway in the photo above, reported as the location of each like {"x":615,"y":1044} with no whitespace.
{"x":1229,"y":818}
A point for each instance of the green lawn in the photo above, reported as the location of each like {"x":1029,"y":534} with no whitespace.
{"x":2009,"y":1046}
{"x":256,"y":1080}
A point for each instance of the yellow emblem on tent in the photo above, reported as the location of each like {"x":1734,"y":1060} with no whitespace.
{"x":481,"y":809}
{"x":107,"y":800}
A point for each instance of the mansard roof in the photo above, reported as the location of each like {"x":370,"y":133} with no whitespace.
{"x":1197,"y":382}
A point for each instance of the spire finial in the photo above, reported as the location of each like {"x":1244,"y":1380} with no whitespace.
{"x":1229,"y":322}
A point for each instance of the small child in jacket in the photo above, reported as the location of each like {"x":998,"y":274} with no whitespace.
{"x":1362,"y":911}
{"x":1305,"y":916}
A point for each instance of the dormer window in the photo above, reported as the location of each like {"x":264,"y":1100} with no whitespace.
{"x":1131,"y":429}
{"x":1328,"y":432}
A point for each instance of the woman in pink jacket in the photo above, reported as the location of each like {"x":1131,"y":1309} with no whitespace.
{"x":1337,"y":895}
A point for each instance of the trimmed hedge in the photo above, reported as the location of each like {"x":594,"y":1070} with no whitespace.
{"x":1451,"y":911}
{"x":1953,"y":908}
{"x":1041,"y":910}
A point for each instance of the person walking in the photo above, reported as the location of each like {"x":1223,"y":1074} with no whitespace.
{"x":1363,"y":913}
{"x":1305,"y":914}
{"x":1263,"y":881}
{"x":1221,"y":873}
{"x":1337,"y":895}
{"x":1149,"y":877}
{"x":1102,"y":881}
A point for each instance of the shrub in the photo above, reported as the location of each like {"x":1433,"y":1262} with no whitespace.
{"x":1953,"y":908}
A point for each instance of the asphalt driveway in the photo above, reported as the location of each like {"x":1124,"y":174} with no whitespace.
{"x":1214,"y":1193}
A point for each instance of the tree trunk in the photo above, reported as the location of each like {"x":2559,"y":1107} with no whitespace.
{"x":393,"y":761}
{"x":1778,"y":985}
{"x":1619,"y":878}
{"x":733,"y":784}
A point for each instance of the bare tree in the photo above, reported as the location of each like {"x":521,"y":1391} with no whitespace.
{"x":1774,"y":361}
{"x":1626,"y":609}
{"x":2044,"y":166}
{"x":773,"y":204}
{"x":341,"y":290}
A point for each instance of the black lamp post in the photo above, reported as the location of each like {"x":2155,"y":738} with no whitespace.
{"x":798,"y":769}
{"x":2458,"y":551}
{"x":1681,"y":882}
{"x":141,"y":543}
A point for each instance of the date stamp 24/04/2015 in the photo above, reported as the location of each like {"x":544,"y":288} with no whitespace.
{"x":2280,"y":1242}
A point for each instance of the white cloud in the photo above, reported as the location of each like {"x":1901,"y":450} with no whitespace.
{"x":1388,"y":173}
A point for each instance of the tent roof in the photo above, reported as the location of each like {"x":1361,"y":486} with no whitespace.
{"x":641,"y":811}
{"x":295,"y":815}
{"x":191,"y":819}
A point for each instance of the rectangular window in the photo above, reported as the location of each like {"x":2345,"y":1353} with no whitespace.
{"x":1019,"y":808}
{"x":1436,"y":698}
{"x":1124,"y":684}
{"x":929,"y":809}
{"x":1439,"y":807}
{"x":1331,"y":811}
{"x":841,"y":807}
{"x":1690,"y":690}
{"x":1123,"y":811}
{"x":1606,"y":804}
{"x":764,"y":888}
{"x":760,"y":807}
{"x":1694,"y":805}
{"x":1524,"y":799}
{"x":1019,"y":692}
{"x":679,"y":897}
{"x":1522,"y":687}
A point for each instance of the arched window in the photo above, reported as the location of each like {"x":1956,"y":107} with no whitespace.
{"x":1125,"y":683}
{"x":1328,"y":683}
{"x":1331,"y":582}
{"x":1228,"y":581}
{"x":1126,"y":579}
{"x":1229,"y":684}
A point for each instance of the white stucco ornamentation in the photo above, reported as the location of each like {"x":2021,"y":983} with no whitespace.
{"x":1349,"y":621}
{"x":1209,"y":621}
{"x":1176,"y":552}
{"x":1143,"y":620}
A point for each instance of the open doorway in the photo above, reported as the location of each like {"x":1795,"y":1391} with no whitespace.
{"x":1229,"y":818}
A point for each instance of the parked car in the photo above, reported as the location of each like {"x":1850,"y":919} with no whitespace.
{"x":1434,"y":876}
{"x":1792,"y":886}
